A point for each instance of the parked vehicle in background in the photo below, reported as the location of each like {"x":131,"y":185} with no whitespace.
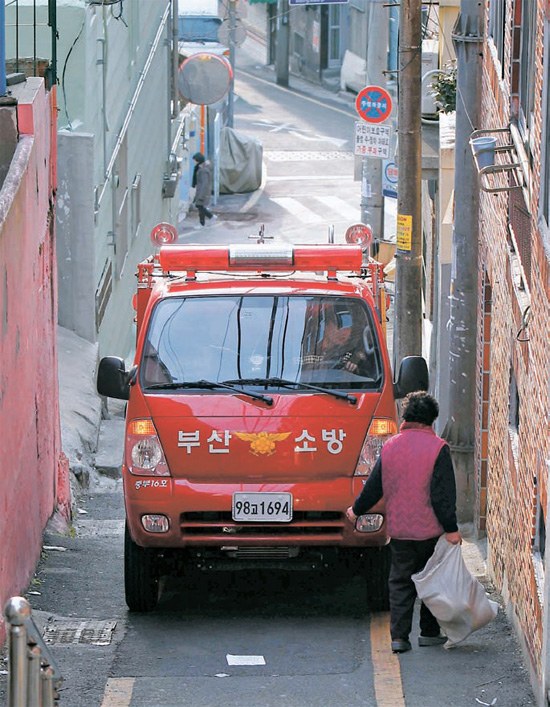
{"x":198,"y":27}
{"x":258,"y":401}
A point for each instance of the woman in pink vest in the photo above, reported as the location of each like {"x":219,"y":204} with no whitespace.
{"x":415,"y":475}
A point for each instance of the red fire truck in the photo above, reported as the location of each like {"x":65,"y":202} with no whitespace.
{"x":259,"y":398}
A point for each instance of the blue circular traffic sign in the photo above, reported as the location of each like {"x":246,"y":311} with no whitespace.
{"x":374,"y":104}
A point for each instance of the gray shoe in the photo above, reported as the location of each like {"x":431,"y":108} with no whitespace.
{"x":432,"y":640}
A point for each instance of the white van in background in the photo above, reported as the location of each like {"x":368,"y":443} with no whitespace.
{"x":198,"y":27}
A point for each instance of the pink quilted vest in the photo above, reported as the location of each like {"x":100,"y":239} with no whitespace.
{"x":407,"y":465}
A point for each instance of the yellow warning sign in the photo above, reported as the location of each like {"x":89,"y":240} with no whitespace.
{"x":404,"y":232}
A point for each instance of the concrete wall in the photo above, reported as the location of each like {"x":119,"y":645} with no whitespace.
{"x":33,"y":472}
{"x":115,"y":111}
{"x":441,"y":367}
{"x":75,"y":233}
{"x":116,"y":134}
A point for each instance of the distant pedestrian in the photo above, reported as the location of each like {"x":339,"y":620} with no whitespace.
{"x":415,"y":475}
{"x":202,"y":178}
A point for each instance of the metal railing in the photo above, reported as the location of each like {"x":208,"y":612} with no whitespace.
{"x":30,"y":39}
{"x":33,"y":678}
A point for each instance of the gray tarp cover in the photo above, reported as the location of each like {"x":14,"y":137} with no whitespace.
{"x":240,"y":162}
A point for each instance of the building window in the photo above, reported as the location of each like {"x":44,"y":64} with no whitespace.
{"x":497,"y":29}
{"x":540,"y":534}
{"x":513,"y":415}
{"x":523,"y":65}
{"x":334,"y":20}
{"x":545,"y":166}
{"x":298,"y":46}
{"x":539,"y":539}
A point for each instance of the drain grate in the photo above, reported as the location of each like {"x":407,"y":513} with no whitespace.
{"x":90,"y":632}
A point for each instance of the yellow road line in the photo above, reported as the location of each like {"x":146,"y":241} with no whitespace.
{"x":385,"y":664}
{"x":118,"y":692}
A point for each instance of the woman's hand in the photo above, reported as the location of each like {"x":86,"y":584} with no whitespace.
{"x":454,"y":538}
{"x":350,"y":515}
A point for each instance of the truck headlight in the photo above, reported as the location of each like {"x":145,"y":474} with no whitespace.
{"x":144,"y":455}
{"x":155,"y":523}
{"x":380,"y":430}
{"x":369,"y":523}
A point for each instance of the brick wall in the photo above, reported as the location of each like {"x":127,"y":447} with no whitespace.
{"x":513,"y":363}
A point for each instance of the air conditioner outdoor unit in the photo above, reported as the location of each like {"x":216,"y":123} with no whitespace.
{"x":430,"y":63}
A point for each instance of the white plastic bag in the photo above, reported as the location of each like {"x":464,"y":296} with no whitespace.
{"x":456,"y":599}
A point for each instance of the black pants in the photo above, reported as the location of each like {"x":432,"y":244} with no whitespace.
{"x":203,"y":212}
{"x":408,"y":557}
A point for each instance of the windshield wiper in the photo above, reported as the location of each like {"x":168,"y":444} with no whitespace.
{"x":209,"y":385}
{"x":293,"y":384}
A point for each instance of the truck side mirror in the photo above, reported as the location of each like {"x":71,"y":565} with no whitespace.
{"x":413,"y":375}
{"x":112,"y":378}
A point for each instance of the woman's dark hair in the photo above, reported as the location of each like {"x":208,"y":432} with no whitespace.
{"x":198,"y":157}
{"x":420,"y":407}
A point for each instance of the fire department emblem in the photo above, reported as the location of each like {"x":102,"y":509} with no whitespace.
{"x":262,"y":442}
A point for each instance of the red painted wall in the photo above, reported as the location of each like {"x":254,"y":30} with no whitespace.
{"x":33,"y":471}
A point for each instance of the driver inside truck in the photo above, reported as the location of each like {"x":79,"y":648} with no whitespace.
{"x":337,"y":338}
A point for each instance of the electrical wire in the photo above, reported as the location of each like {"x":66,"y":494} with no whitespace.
{"x":63,"y":73}
{"x":120,"y":14}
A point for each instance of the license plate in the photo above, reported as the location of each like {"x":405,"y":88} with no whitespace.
{"x":274,"y":507}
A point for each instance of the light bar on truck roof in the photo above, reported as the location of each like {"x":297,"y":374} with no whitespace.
{"x":261,"y":257}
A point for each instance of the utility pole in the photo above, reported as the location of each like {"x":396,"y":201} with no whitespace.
{"x":282,"y":49}
{"x":408,"y":280}
{"x":372,"y":200}
{"x":175,"y":60}
{"x":3,"y":86}
{"x":459,"y":430}
{"x":232,"y":16}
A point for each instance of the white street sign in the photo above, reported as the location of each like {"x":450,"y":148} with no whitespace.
{"x":372,"y":140}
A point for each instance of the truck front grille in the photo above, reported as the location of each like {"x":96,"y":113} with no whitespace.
{"x":214,"y":526}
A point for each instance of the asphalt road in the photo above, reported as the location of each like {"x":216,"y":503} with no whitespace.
{"x":258,"y":639}
{"x":244,"y":640}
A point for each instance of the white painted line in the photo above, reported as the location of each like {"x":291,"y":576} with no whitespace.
{"x":301,"y":212}
{"x":245,"y":659}
{"x":118,"y":692}
{"x":340,"y":206}
{"x":321,"y":177}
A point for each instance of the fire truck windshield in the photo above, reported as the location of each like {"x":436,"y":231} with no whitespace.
{"x":327,"y":341}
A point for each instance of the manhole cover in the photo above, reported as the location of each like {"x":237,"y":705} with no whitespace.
{"x":303,"y":156}
{"x":95,"y":633}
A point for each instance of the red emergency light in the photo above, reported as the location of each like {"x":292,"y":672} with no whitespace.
{"x":261,"y":257}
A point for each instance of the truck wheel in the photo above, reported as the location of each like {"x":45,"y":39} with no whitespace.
{"x":377,"y":573}
{"x":141,"y":576}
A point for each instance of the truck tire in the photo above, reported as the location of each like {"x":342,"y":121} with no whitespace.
{"x":377,"y":572}
{"x":141,"y":576}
